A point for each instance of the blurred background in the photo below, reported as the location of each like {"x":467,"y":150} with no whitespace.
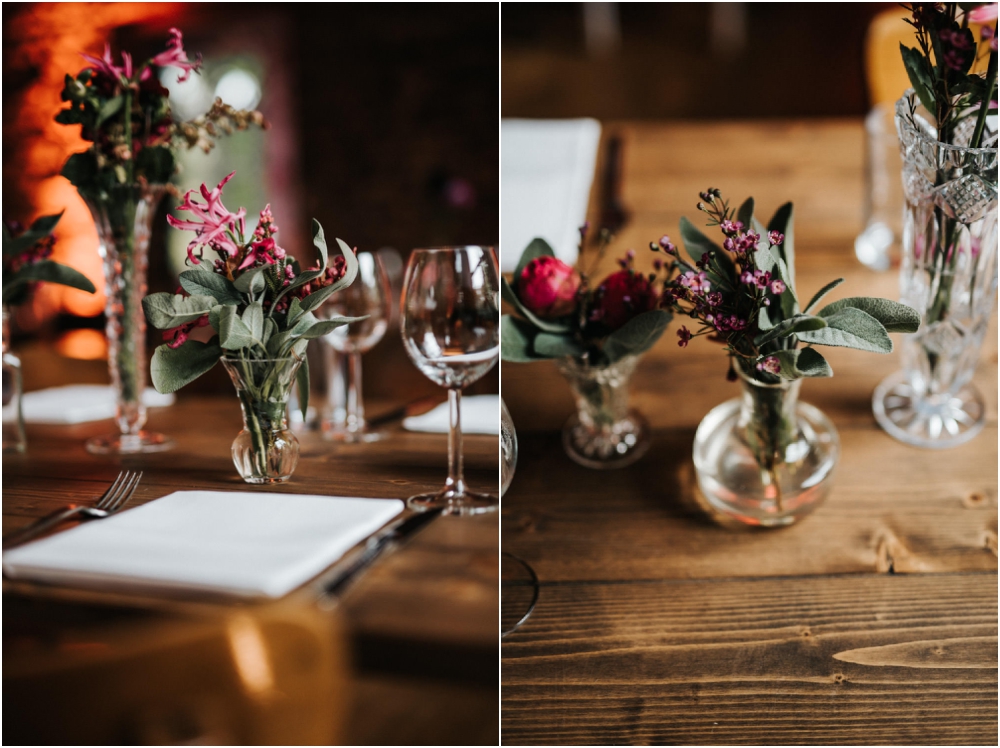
{"x":383,"y":126}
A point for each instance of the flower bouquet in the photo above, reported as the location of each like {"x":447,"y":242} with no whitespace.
{"x":765,"y":458}
{"x":124,"y":113}
{"x":260,"y":304}
{"x":948,"y":143}
{"x":26,"y":262}
{"x":596,"y":335}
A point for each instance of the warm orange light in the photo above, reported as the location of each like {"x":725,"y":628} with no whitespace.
{"x":48,"y":39}
{"x":84,"y":345}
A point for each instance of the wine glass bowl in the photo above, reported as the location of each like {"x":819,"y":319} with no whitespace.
{"x":450,"y":324}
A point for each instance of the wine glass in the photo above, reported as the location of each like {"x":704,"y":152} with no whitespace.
{"x":370,"y":295}
{"x":450,"y":322}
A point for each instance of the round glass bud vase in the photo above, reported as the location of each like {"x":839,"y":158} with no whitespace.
{"x":765,"y":458}
{"x":604,"y":433}
{"x":266,"y":450}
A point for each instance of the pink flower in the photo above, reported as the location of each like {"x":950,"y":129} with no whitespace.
{"x":684,"y":336}
{"x":624,"y":295}
{"x":177,"y":336}
{"x":548,"y":287}
{"x":667,"y":246}
{"x":213,"y":224}
{"x":105,"y":66}
{"x":776,"y":237}
{"x":777,"y":286}
{"x":697,"y":283}
{"x":770,"y":364}
{"x":175,"y":56}
{"x":984,"y":13}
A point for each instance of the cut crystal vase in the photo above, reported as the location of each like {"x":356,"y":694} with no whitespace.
{"x":124,"y":225}
{"x":765,"y":458}
{"x":949,"y":275}
{"x":604,"y":433}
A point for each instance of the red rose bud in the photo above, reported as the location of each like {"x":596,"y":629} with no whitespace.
{"x":624,"y":295}
{"x":548,"y":287}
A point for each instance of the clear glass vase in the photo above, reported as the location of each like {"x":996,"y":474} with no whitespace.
{"x":604,"y":433}
{"x":123,"y":225}
{"x":949,"y":275}
{"x":765,"y":458}
{"x":14,"y":439}
{"x":266,"y":450}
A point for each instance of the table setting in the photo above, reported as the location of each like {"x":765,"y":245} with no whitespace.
{"x":801,"y":549}
{"x":269,"y":564}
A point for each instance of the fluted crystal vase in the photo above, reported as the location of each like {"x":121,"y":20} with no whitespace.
{"x":123,"y":225}
{"x":14,"y":439}
{"x":266,"y":450}
{"x":604,"y":433}
{"x":949,"y":275}
{"x":765,"y":458}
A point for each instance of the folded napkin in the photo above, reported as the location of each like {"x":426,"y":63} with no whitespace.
{"x":546,"y":169}
{"x":235,"y":543}
{"x":480,"y":415}
{"x":79,"y":403}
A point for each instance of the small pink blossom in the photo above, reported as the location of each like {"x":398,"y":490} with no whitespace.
{"x":984,"y":13}
{"x":175,"y":56}
{"x":684,"y":336}
{"x":777,"y":286}
{"x":770,"y":364}
{"x":105,"y":65}
{"x":667,"y":246}
{"x":213,"y":224}
{"x":696,"y":283}
{"x":776,"y":237}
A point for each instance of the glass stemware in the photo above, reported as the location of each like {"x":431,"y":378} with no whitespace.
{"x":450,"y":322}
{"x":370,"y":295}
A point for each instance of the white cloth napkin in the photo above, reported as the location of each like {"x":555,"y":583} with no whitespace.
{"x":546,"y":169}
{"x":480,"y":415}
{"x":235,"y":543}
{"x":79,"y":403}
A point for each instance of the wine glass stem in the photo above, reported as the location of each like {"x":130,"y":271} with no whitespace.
{"x":355,"y":405}
{"x":456,"y":483}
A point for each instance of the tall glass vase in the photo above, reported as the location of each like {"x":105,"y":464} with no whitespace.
{"x":124,"y":223}
{"x":14,"y":439}
{"x":949,"y":275}
{"x":604,"y":433}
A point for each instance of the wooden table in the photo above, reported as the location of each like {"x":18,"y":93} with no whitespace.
{"x":873,"y":621}
{"x":421,"y":624}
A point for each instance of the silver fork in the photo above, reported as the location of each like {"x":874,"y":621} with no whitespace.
{"x":114,"y":499}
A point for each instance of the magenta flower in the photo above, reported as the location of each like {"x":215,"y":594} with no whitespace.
{"x":177,"y":336}
{"x":213,"y":224}
{"x":776,"y":237}
{"x":175,"y":56}
{"x":729,"y":228}
{"x":667,"y":246}
{"x":770,"y":364}
{"x":984,"y":13}
{"x":777,"y":286}
{"x":685,"y":337}
{"x":697,"y":283}
{"x":990,"y":35}
{"x":105,"y":66}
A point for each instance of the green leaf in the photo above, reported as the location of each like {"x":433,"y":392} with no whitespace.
{"x":81,"y":170}
{"x":326,"y":326}
{"x":551,"y":345}
{"x":536,"y":248}
{"x":253,"y":318}
{"x":821,"y":293}
{"x":695,"y":242}
{"x":47,"y":271}
{"x":792,"y":325}
{"x":789,"y":302}
{"x":542,"y":324}
{"x":45,"y":225}
{"x":172,"y":368}
{"x":110,"y":108}
{"x":851,"y":328}
{"x":319,"y":241}
{"x":213,"y":316}
{"x":783,"y":221}
{"x":206,"y":283}
{"x":895,"y":317}
{"x":920,"y":77}
{"x":517,"y":340}
{"x":745,"y":214}
{"x":233,"y":332}
{"x":803,"y":362}
{"x":270,"y":328}
{"x":302,"y":383}
{"x":252,"y":281}
{"x":637,"y":335}
{"x":165,"y":310}
{"x":295,"y":311}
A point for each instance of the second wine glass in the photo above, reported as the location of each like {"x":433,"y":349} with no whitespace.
{"x":450,"y":322}
{"x":369,"y":295}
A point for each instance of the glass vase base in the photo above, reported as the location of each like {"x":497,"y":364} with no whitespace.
{"x":615,"y":448}
{"x":466,"y":503}
{"x":936,"y":422}
{"x":354,"y":437}
{"x":144,"y":442}
{"x":266,"y":481}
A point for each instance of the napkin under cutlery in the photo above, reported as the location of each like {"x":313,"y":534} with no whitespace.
{"x":232,"y":543}
{"x":480,"y":415}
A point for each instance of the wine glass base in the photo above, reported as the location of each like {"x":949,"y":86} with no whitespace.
{"x":463,"y":504}
{"x":607,"y":451}
{"x":144,"y":442}
{"x":931,"y":422}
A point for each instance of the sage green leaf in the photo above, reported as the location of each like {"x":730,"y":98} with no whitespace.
{"x":304,"y":322}
{"x":326,"y":326}
{"x":851,"y":328}
{"x":783,"y":221}
{"x":316,"y":298}
{"x":252,"y":281}
{"x":542,"y":324}
{"x":821,"y":293}
{"x":745,"y":214}
{"x":792,"y":325}
{"x":233,"y":332}
{"x":278,"y":344}
{"x":517,"y":340}
{"x":206,"y":283}
{"x":350,"y":270}
{"x":253,"y":318}
{"x":895,"y":317}
{"x":110,"y":108}
{"x":299,"y":347}
{"x":551,"y":345}
{"x":803,"y":362}
{"x":172,"y":368}
{"x":920,"y":77}
{"x":789,"y":301}
{"x":81,"y":170}
{"x":319,"y":241}
{"x":695,"y":242}
{"x":764,"y":320}
{"x":270,"y":328}
{"x":538,"y":247}
{"x":165,"y":310}
{"x":302,"y":385}
{"x":294,"y":312}
{"x":48,"y":271}
{"x":213,"y":316}
{"x":637,"y":335}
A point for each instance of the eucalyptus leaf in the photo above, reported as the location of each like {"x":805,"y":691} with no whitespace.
{"x":165,"y":311}
{"x":802,"y":362}
{"x":821,"y":293}
{"x":637,"y":335}
{"x":302,"y":385}
{"x":197,"y":281}
{"x":542,"y":324}
{"x":851,"y":328}
{"x":538,"y":247}
{"x":517,"y":340}
{"x":172,"y":368}
{"x":895,"y":317}
{"x":551,"y":345}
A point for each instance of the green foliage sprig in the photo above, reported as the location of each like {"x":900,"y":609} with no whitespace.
{"x":26,"y":262}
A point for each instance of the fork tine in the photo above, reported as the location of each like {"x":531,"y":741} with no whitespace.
{"x":112,"y":491}
{"x":126,"y":494}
